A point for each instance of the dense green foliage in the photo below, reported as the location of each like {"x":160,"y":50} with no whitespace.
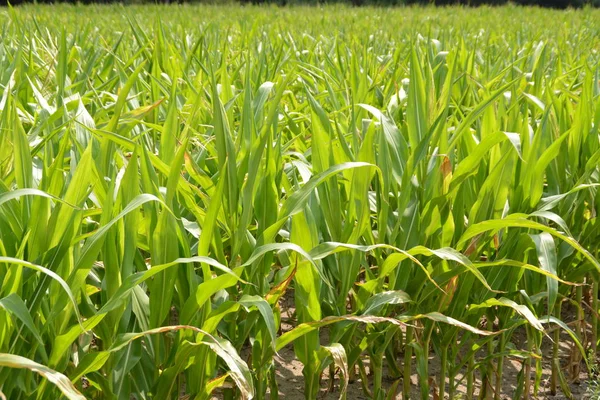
{"x":417,"y":182}
{"x":561,"y":4}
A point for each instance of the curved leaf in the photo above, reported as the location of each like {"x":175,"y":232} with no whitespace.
{"x":46,"y":271}
{"x":520,"y":222}
{"x":59,"y":380}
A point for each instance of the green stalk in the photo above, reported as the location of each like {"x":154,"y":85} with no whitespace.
{"x":594,"y":320}
{"x":471,"y":377}
{"x":555,"y":361}
{"x":581,"y":333}
{"x":527,"y":385}
{"x":425,"y":382}
{"x":273,"y":388}
{"x":377,"y":364}
{"x":499,"y":368}
{"x":261,"y":384}
{"x":452,"y":376}
{"x":487,"y":382}
{"x":452,"y":385}
{"x":407,"y":363}
{"x":443,"y":366}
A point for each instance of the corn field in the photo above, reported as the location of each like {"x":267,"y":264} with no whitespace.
{"x":188,"y":191}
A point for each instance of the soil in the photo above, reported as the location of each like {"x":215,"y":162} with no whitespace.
{"x":290,"y":380}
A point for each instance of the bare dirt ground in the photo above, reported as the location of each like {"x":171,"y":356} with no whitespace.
{"x":291,"y":382}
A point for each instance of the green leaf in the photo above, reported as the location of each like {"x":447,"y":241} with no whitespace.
{"x":47,"y":272}
{"x":517,"y":221}
{"x":265,"y":310}
{"x":546,"y":251}
{"x":15,"y":305}
{"x":384,"y":298}
{"x":58,"y":379}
